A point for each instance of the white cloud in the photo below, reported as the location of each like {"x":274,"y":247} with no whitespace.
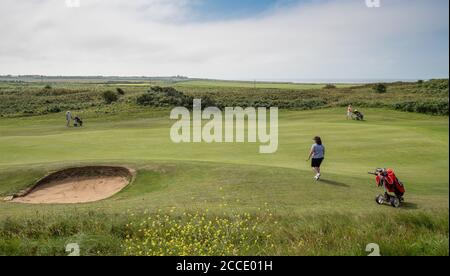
{"x":325,"y":39}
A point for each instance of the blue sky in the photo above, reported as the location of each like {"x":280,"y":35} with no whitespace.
{"x":232,"y":9}
{"x":227,"y":39}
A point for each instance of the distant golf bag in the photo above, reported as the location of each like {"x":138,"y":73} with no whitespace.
{"x":358,"y":116}
{"x":387,"y":179}
{"x":78,"y":122}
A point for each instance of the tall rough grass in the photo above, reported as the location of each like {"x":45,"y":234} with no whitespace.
{"x":200,"y":233}
{"x":430,"y":97}
{"x":196,"y":234}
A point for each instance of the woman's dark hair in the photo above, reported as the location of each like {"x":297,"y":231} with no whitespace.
{"x":318,"y":140}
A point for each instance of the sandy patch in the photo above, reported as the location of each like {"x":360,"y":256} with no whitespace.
{"x":77,"y":185}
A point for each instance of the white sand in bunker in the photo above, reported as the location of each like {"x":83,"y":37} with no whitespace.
{"x":77,"y":185}
{"x":75,"y":190}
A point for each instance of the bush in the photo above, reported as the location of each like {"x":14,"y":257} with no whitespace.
{"x":380,"y":88}
{"x":110,"y":97}
{"x":440,"y":86}
{"x":165,"y":97}
{"x":54,"y":109}
{"x":48,"y":86}
{"x":169,"y":91}
{"x":330,"y":86}
{"x":306,"y":104}
{"x":207,"y":102}
{"x":120,"y":91}
{"x":432,"y":108}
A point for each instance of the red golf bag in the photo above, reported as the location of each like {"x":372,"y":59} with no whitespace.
{"x":389,"y":180}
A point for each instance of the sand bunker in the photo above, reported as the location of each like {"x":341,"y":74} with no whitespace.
{"x":77,"y":185}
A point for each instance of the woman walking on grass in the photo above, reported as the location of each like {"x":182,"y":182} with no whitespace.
{"x":317,"y":154}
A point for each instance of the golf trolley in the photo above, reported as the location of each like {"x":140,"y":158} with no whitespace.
{"x":389,"y":199}
{"x":78,"y":122}
{"x":396,"y":187}
{"x":358,"y":116}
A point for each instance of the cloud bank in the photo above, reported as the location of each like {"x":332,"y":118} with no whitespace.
{"x":334,"y":39}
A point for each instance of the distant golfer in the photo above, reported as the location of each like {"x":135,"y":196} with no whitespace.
{"x":350,"y":112}
{"x":68,"y":118}
{"x":317,"y":154}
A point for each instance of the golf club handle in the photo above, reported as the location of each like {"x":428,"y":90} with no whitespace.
{"x":372,"y":173}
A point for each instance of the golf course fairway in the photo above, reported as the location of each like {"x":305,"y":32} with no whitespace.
{"x":291,"y":214}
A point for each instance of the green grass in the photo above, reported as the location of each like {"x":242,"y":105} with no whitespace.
{"x":32,"y":99}
{"x":337,"y":216}
{"x":100,"y":233}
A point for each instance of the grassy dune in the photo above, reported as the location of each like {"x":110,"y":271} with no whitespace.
{"x":249,"y":84}
{"x":290,"y":213}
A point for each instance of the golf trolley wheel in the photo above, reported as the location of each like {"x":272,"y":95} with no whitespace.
{"x":395,"y":202}
{"x":379,"y":199}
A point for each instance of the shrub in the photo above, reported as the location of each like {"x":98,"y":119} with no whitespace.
{"x":430,"y":107}
{"x":380,"y":88}
{"x":436,"y":86}
{"x":330,"y":86}
{"x":165,"y":97}
{"x":54,"y":109}
{"x":307,"y":104}
{"x":48,"y":86}
{"x":120,"y":91}
{"x":110,"y":97}
{"x":169,"y":91}
{"x":207,"y":102}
